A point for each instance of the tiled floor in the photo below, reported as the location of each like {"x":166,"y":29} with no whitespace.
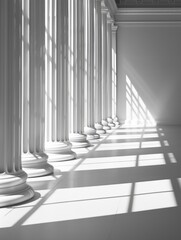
{"x":125,"y":186}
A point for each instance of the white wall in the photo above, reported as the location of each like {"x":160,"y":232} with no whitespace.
{"x":150,"y":55}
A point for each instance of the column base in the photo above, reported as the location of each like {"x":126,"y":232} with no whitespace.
{"x":99,"y":128}
{"x":78,"y":140}
{"x":36,"y":165}
{"x":110,"y":122}
{"x":14,"y":189}
{"x":105,"y":125}
{"x":91,"y":133}
{"x":59,"y":151}
{"x":116,"y":121}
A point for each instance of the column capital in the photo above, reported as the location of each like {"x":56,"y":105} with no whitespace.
{"x":109,"y":18}
{"x":114,"y":28}
{"x":104,"y":8}
{"x":98,"y":3}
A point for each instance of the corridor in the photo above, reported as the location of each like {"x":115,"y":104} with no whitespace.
{"x":126,"y":185}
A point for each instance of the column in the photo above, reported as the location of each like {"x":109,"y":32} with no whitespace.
{"x":34,"y":160}
{"x":104,"y":12}
{"x":114,"y":76}
{"x":98,"y":68}
{"x":109,"y":70}
{"x":89,"y":129}
{"x":76,"y":73}
{"x":57,"y":143}
{"x":13,"y":186}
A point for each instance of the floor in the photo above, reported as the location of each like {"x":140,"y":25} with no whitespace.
{"x":126,"y":186}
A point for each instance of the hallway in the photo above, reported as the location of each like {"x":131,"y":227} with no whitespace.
{"x":126,"y":185}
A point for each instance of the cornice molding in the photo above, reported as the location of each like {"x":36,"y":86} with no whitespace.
{"x":111,"y":5}
{"x":148,"y":3}
{"x":149,"y":10}
{"x":148,"y":15}
{"x":104,"y":8}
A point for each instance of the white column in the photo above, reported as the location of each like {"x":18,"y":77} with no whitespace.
{"x":89,"y":129}
{"x":34,"y":160}
{"x":76,"y":71}
{"x":104,"y":12}
{"x":114,"y":76}
{"x":109,"y":69}
{"x":98,"y":68}
{"x":57,"y":143}
{"x":13,"y":187}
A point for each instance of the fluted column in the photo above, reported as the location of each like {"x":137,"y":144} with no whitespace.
{"x":57,"y":143}
{"x":75,"y":77}
{"x":104,"y":12}
{"x":98,"y":68}
{"x":34,"y":160}
{"x":109,"y":70}
{"x":89,"y":129}
{"x":114,"y":75}
{"x":13,"y":187}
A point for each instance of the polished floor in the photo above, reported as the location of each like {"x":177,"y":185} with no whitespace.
{"x":126,"y":186}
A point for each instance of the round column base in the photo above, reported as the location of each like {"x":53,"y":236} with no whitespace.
{"x":116,"y":121}
{"x":105,"y":125}
{"x":106,"y":128}
{"x":112,"y":125}
{"x":14,"y":189}
{"x":91,"y":133}
{"x":36,"y":165}
{"x":78,"y":140}
{"x":99,"y":129}
{"x":110,"y":122}
{"x":59,"y":151}
{"x":92,"y":137}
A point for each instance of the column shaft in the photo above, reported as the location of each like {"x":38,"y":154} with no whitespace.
{"x":109,"y":70}
{"x":57,"y":143}
{"x":89,"y":129}
{"x":114,"y":76}
{"x":98,"y":68}
{"x":104,"y":12}
{"x":76,"y":72}
{"x":13,"y":187}
{"x":34,"y":160}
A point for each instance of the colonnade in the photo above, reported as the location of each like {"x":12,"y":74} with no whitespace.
{"x":57,"y":86}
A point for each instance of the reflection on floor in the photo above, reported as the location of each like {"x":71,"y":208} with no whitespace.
{"x":125,"y":186}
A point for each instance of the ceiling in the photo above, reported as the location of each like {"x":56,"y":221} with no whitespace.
{"x":148,"y":3}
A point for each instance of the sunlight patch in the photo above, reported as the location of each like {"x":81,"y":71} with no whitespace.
{"x":172,"y":158}
{"x":118,"y":146}
{"x":151,"y":144}
{"x":79,"y":203}
{"x":124,"y":136}
{"x":151,"y":159}
{"x":136,"y":109}
{"x":153,"y":195}
{"x":151,"y":135}
{"x":107,"y":163}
